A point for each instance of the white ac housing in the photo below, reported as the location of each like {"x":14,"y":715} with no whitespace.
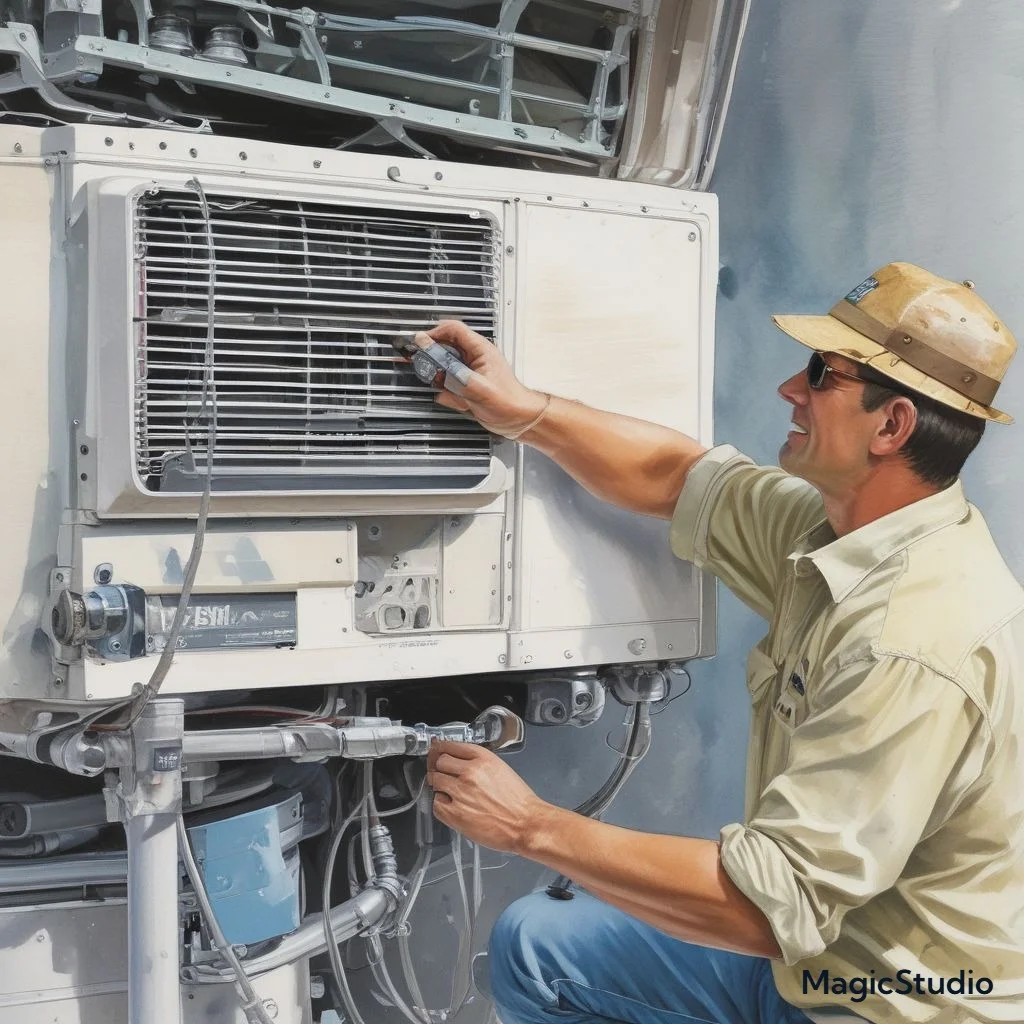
{"x":391,"y":539}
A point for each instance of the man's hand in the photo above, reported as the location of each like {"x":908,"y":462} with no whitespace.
{"x":477,"y":794}
{"x":494,"y":397}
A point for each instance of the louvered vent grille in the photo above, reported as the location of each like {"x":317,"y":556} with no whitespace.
{"x":309,"y":391}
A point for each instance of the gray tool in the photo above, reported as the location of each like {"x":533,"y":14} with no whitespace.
{"x":436,"y":365}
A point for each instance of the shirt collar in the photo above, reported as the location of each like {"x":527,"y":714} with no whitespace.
{"x":846,"y":561}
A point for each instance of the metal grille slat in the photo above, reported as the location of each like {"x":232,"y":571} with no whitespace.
{"x":307,"y":298}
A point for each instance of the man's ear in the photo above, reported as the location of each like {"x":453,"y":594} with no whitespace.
{"x":894,"y":431}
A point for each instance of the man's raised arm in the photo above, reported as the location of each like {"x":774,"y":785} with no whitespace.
{"x":631,"y":463}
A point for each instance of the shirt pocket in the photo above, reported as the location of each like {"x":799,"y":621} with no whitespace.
{"x":789,"y":703}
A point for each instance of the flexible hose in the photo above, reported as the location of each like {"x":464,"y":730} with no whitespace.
{"x":332,"y":947}
{"x":637,"y":745}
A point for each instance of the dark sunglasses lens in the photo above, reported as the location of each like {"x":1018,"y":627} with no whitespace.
{"x":816,"y":368}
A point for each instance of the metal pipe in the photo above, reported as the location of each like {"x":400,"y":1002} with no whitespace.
{"x":347,"y":921}
{"x":153,"y":992}
{"x":58,"y":872}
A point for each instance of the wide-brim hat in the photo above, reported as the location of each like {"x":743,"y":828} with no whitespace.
{"x":931,"y":335}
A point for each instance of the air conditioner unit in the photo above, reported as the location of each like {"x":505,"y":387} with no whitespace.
{"x":358,"y":531}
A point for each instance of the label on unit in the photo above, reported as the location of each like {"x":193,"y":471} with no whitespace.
{"x":217,"y":621}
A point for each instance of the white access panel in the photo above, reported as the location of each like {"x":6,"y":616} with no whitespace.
{"x":629,"y":329}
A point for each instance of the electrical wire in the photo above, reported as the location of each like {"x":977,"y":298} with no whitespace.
{"x":332,"y":946}
{"x":208,"y":395}
{"x":681,"y":693}
{"x":252,"y":1005}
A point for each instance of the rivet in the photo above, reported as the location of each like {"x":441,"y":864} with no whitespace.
{"x":501,"y":659}
{"x":17,"y":147}
{"x":193,"y":152}
{"x":163,"y":145}
{"x":969,"y":284}
{"x":438,"y":176}
{"x":108,"y":141}
{"x":692,"y":236}
{"x":907,"y":340}
{"x":968,"y":378}
{"x":316,"y":163}
{"x":567,"y":655}
{"x":243,"y":155}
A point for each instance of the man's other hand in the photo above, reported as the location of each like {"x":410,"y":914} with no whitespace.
{"x":494,"y":397}
{"x":479,"y":795}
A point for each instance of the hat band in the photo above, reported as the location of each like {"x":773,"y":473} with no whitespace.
{"x":976,"y":386}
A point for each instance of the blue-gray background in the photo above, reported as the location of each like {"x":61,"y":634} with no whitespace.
{"x":861,"y":131}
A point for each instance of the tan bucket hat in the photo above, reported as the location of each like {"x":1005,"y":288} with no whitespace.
{"x":933,"y":336}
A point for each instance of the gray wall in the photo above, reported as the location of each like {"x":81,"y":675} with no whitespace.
{"x":861,"y":131}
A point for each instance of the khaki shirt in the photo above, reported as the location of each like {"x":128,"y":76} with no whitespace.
{"x":884,"y":821}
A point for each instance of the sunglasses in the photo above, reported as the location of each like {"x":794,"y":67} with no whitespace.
{"x":818,"y":370}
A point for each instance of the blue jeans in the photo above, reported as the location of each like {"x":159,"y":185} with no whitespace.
{"x":581,"y":960}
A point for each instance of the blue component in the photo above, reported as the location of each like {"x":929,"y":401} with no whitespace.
{"x":254,"y":889}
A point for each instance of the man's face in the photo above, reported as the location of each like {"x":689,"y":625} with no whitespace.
{"x":828,"y":442}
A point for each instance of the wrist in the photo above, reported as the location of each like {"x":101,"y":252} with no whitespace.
{"x":537,"y":830}
{"x":540,"y":403}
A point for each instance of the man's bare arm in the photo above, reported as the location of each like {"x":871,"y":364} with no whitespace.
{"x":674,"y":883}
{"x":631,"y":463}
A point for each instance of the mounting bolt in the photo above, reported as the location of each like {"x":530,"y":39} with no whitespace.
{"x":509,"y":250}
{"x":108,"y":141}
{"x":316,"y":163}
{"x":567,"y":655}
{"x":17,"y":147}
{"x":692,"y":236}
{"x":501,"y":659}
{"x":438,"y":176}
{"x":193,"y":152}
{"x":243,"y":155}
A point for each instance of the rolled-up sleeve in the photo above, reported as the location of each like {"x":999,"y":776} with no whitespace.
{"x":740,"y":521}
{"x":883,"y":758}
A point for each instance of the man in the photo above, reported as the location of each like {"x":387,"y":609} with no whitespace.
{"x":876,"y":870}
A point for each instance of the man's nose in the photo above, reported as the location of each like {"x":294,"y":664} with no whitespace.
{"x":794,"y":390}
